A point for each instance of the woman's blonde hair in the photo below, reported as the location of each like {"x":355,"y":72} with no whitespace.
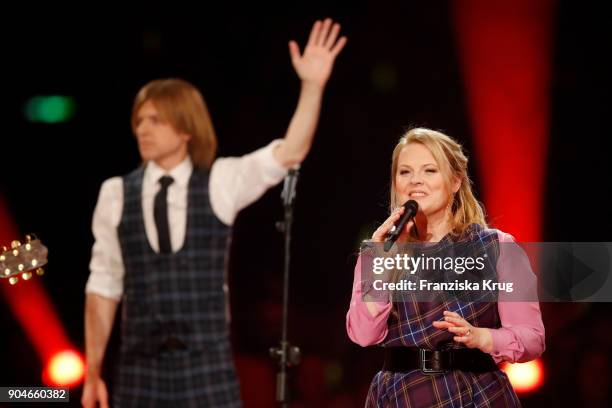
{"x":182,"y":105}
{"x":449,"y":156}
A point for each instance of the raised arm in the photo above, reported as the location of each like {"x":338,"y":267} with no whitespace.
{"x":314,"y":67}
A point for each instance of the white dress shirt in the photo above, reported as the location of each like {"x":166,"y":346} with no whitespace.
{"x":234,"y":183}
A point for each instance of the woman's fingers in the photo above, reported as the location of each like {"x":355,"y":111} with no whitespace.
{"x":442,"y":325}
{"x":461,"y":339}
{"x":461,"y":331}
{"x":380,"y":233}
{"x":457,"y":321}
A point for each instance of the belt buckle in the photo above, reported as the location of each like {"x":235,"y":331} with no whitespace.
{"x":424,"y":360}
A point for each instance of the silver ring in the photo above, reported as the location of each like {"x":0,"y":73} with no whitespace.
{"x":468,"y":332}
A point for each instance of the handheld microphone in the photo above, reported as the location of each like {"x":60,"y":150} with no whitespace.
{"x":410,"y":209}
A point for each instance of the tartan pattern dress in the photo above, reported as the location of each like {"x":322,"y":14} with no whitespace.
{"x":410,"y":325}
{"x":178,"y":295}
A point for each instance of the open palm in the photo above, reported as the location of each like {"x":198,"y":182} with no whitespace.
{"x":315,"y":64}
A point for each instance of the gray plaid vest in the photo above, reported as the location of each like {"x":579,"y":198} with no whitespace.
{"x":180,"y":294}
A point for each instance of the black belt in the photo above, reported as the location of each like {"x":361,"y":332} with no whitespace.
{"x":401,"y":359}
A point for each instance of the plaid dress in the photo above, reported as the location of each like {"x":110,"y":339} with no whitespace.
{"x":410,"y":325}
{"x":176,"y":296}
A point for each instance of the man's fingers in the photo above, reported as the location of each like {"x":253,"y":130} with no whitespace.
{"x":322,"y":37}
{"x":338,"y":47}
{"x":331,"y":38}
{"x":314,"y":33}
{"x":294,"y":50}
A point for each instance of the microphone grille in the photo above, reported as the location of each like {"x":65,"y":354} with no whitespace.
{"x":412,"y":206}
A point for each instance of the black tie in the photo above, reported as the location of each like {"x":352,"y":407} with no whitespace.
{"x":160,"y":213}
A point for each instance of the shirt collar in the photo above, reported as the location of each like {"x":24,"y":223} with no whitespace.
{"x":180,"y":173}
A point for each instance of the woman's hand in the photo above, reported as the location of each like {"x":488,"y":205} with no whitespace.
{"x":472,"y":337}
{"x":314,"y":66}
{"x":382,"y":231}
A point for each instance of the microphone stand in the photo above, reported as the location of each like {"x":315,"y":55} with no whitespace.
{"x":286,"y":354}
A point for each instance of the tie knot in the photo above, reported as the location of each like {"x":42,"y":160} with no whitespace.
{"x":165,"y":181}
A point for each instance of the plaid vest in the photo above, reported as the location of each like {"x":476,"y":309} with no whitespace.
{"x":410,"y":322}
{"x":179,"y":294}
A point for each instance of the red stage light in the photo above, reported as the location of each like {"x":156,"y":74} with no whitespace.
{"x":505,"y":51}
{"x":64,"y":369}
{"x":525,"y":377}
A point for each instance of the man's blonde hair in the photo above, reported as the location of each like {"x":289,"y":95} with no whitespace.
{"x":182,"y":105}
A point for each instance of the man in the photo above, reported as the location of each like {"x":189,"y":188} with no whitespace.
{"x":161,"y":235}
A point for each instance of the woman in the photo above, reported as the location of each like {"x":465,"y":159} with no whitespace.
{"x":443,"y":353}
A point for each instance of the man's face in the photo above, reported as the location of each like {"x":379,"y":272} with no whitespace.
{"x":157,"y":139}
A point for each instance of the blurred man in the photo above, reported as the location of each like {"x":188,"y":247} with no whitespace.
{"x":161,"y":240}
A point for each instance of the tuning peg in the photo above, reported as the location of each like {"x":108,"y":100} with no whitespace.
{"x":2,"y":258}
{"x":4,"y":249}
{"x":34,"y":262}
{"x":40,"y":271}
{"x":28,"y":238}
{"x":7,"y":272}
{"x":20,"y":267}
{"x":13,"y":280}
{"x":26,"y":276}
{"x":14,"y":245}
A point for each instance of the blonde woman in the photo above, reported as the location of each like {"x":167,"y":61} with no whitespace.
{"x":443,"y":353}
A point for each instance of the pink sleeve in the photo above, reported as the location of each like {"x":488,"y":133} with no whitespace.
{"x":521,"y":337}
{"x":363,"y":328}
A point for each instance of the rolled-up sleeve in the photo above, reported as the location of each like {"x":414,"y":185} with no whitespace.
{"x":521,"y":337}
{"x":236,"y":182}
{"x":106,"y":265}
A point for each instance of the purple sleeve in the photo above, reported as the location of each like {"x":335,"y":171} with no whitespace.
{"x":521,"y":337}
{"x":362,"y":327}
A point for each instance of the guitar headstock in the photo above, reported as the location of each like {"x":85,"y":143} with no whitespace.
{"x":22,"y":259}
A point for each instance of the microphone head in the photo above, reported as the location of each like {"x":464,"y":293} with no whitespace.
{"x":412,"y":206}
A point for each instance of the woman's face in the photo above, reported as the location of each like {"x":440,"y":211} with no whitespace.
{"x":419,"y":178}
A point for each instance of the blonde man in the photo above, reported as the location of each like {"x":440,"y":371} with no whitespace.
{"x":161,"y":237}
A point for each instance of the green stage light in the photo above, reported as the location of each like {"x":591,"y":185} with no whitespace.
{"x":50,"y":109}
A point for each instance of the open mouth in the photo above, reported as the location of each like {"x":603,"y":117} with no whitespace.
{"x":417,"y":194}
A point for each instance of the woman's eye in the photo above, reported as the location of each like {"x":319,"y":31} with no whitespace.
{"x":431,"y":171}
{"x":403,"y":172}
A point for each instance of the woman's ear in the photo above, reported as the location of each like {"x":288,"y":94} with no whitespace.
{"x":456,"y":184}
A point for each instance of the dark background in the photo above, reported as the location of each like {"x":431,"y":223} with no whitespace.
{"x":400,"y":68}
